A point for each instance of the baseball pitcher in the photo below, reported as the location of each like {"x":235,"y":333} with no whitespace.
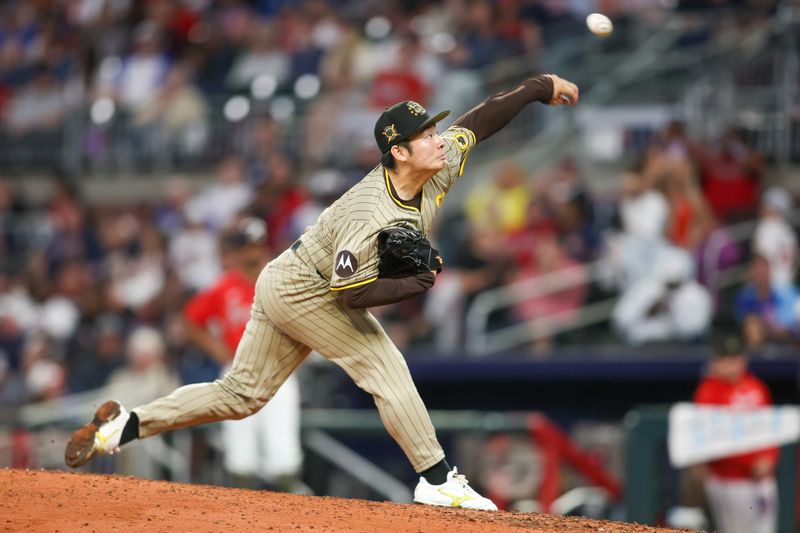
{"x":315,"y":295}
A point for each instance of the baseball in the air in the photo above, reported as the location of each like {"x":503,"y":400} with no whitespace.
{"x":599,"y":24}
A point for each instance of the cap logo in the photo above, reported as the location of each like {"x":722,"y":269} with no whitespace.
{"x":415,"y":108}
{"x":390,"y":132}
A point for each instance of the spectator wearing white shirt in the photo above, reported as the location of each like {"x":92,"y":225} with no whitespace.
{"x":194,"y":253}
{"x":643,"y":209}
{"x":38,"y":107}
{"x":218,"y":204}
{"x":643,"y":216}
{"x":261,"y":57}
{"x":669,"y":305}
{"x":774,"y":237}
{"x":144,"y":71}
{"x":36,"y":307}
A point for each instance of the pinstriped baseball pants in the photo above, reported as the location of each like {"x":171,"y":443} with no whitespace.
{"x":294,"y":312}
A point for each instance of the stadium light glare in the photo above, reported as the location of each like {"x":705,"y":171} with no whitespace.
{"x":378,"y":27}
{"x":307,"y":86}
{"x":263,"y":86}
{"x":282,"y":109}
{"x":102,"y":110}
{"x":236,"y":108}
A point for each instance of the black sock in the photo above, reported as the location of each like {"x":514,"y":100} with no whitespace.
{"x":131,"y":430}
{"x":437,"y":474}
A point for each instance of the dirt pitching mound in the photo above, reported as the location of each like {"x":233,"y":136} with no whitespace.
{"x":65,"y":502}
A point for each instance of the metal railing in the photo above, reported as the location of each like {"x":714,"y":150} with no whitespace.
{"x":119,"y":145}
{"x":480,"y":340}
{"x":357,"y":466}
{"x":754,"y":90}
{"x":693,"y":79}
{"x":122,"y":146}
{"x":40,"y":431}
{"x":718,"y":277}
{"x":653,"y":60}
{"x":608,"y":75}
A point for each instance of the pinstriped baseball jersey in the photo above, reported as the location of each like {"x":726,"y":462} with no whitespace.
{"x":342,"y":245}
{"x":295,"y":311}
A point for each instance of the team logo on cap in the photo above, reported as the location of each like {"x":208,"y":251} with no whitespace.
{"x":346,"y":264}
{"x":390,"y":132}
{"x":415,"y":108}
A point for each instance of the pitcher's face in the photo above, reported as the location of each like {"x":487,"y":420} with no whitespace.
{"x":427,"y":151}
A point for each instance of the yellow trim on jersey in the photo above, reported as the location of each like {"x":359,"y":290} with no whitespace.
{"x":397,"y":200}
{"x":466,"y":155}
{"x":357,"y":284}
{"x":461,"y":166}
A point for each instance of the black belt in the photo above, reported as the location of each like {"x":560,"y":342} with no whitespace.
{"x":295,"y":245}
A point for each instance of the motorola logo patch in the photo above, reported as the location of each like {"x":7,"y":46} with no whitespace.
{"x":346,"y":264}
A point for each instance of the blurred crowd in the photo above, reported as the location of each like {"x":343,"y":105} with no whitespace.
{"x":689,"y":212}
{"x":143,"y":86}
{"x":80,"y":279}
{"x":125,"y":85}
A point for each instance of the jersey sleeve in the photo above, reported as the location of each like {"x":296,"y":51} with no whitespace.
{"x":355,"y":259}
{"x":201,"y":308}
{"x":458,"y":143}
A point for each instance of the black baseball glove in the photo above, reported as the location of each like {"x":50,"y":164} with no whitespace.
{"x":404,"y":252}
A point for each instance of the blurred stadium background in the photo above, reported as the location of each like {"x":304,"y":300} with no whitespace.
{"x":590,"y":253}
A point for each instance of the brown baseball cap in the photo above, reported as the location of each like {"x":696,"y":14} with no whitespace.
{"x":401,"y":121}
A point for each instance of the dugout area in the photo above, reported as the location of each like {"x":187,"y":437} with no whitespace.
{"x":647,"y":467}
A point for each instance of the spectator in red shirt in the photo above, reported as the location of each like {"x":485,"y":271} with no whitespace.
{"x":741,"y":489}
{"x":731,"y":177}
{"x":263,"y":448}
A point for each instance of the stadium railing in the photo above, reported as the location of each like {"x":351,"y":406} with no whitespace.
{"x":36,"y":441}
{"x":754,"y":89}
{"x":481,"y":339}
{"x":690,"y":81}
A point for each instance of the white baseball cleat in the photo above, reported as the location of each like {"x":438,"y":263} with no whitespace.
{"x":455,"y":492}
{"x":99,"y":437}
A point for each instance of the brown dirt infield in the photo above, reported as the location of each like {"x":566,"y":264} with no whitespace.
{"x":54,"y":501}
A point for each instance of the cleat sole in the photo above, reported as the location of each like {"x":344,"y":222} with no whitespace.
{"x":80,"y":448}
